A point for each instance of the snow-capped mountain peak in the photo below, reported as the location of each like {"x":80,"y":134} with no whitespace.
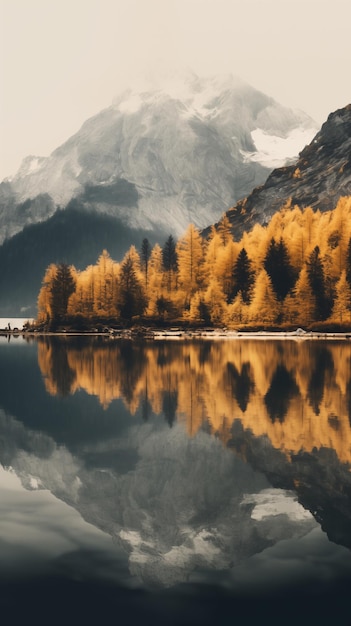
{"x":176,"y":148}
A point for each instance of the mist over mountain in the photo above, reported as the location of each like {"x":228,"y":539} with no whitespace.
{"x":167,"y":155}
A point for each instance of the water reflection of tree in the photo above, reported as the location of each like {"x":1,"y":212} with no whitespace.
{"x":204,"y":352}
{"x":322,"y":364}
{"x":198,"y":381}
{"x":146,"y":408}
{"x":133,"y":361}
{"x":167,"y":353}
{"x":170,"y":405}
{"x":63,"y":376}
{"x":241,"y":384}
{"x":282,"y":389}
{"x":348,"y":399}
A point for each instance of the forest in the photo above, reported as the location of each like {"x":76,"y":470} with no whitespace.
{"x":294,"y":271}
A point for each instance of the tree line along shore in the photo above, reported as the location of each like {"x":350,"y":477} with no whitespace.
{"x":294,"y":272}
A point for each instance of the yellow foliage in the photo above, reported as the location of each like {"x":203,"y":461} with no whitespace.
{"x":203,"y":274}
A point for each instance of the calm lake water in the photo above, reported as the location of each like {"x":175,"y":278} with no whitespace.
{"x":181,"y":482}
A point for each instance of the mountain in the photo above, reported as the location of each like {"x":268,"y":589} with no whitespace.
{"x":162,"y":154}
{"x":318,"y":178}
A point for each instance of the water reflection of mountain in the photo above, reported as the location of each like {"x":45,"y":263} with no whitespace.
{"x":321,"y":481}
{"x":179,"y":503}
{"x":298,"y":394}
{"x":187,"y":504}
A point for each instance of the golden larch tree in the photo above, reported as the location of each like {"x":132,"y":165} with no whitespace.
{"x":155,"y":286}
{"x":342,"y":304}
{"x":190,"y":261}
{"x":263,"y":307}
{"x":302,"y":304}
{"x":45,"y":296}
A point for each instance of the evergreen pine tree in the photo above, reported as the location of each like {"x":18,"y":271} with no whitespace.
{"x":62,"y":287}
{"x":317,"y":283}
{"x":244,"y":277}
{"x":145,"y":256}
{"x":131,"y":297}
{"x":279,"y":269}
{"x":169,"y":260}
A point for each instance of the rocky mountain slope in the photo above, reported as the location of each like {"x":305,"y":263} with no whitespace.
{"x":318,"y":178}
{"x":161,"y":156}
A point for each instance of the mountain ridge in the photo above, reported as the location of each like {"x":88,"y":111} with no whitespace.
{"x":318,"y":178}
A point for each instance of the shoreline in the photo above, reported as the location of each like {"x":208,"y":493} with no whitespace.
{"x":179,"y":333}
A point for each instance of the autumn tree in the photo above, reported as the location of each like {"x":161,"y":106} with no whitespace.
{"x":299,"y":306}
{"x":190,"y":259}
{"x":263,"y":307}
{"x":218,"y":261}
{"x":105,"y":286}
{"x":155,"y":278}
{"x":227,"y":256}
{"x":309,"y":222}
{"x":224,"y":229}
{"x":255,"y":244}
{"x":87,"y":290}
{"x":348,"y":263}
{"x":342,"y":304}
{"x":295,"y":235}
{"x":337,"y":234}
{"x":45,"y":295}
{"x":198,"y":310}
{"x":215,"y":301}
{"x":237,"y":312}
{"x":213,"y":248}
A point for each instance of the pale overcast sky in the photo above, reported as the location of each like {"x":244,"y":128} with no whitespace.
{"x":62,"y":61}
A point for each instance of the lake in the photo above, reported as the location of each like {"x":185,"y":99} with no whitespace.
{"x":174,"y":482}
{"x":14,"y":322}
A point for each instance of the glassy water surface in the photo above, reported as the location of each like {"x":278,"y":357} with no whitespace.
{"x":174,"y":482}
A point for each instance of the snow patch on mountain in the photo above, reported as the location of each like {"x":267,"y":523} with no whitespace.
{"x":272,"y":502}
{"x":273,"y":151}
